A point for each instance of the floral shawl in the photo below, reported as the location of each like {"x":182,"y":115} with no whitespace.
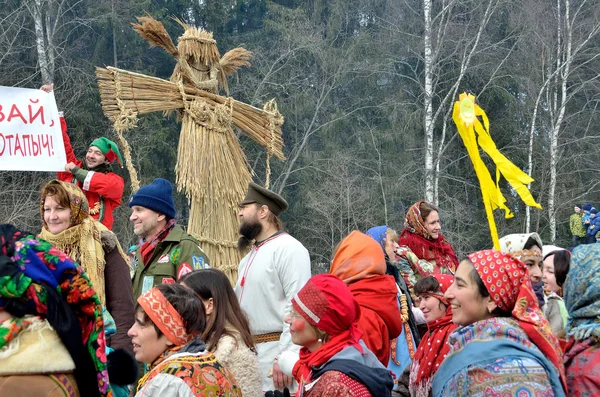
{"x":415,"y":236}
{"x":37,"y":279}
{"x":495,"y":357}
{"x":582,"y":293}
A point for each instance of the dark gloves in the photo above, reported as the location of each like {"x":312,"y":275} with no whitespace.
{"x":538,"y":288}
{"x":277,"y":393}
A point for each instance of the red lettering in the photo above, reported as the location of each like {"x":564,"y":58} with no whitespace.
{"x":18,"y":146}
{"x":45,"y":144}
{"x":40,"y":112}
{"x":3,"y":145}
{"x":34,"y":100}
{"x":9,"y":138}
{"x":36,"y":146}
{"x":26,"y":140}
{"x":14,"y":112}
{"x":1,"y":114}
{"x":51,"y":123}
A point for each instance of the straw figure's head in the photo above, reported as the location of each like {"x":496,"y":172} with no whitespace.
{"x":199,"y":63}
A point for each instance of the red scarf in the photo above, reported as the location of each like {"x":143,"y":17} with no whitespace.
{"x":438,"y":251}
{"x":434,"y":347}
{"x":148,"y":247}
{"x":303,"y":367}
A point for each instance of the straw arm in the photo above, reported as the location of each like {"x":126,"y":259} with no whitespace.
{"x":146,"y":94}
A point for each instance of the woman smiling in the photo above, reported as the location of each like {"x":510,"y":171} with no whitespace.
{"x":433,"y":348}
{"x":68,"y":226}
{"x":505,"y":344}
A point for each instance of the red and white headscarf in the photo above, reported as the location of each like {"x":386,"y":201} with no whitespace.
{"x":507,"y":280}
{"x":327,"y":303}
{"x":164,"y":315}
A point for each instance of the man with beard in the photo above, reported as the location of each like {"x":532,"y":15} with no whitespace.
{"x":274,"y":270}
{"x":93,"y":174}
{"x":165,"y":251}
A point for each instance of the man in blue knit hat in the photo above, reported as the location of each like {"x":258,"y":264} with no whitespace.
{"x":165,"y":251}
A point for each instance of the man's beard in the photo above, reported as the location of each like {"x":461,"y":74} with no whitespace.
{"x":248,"y":231}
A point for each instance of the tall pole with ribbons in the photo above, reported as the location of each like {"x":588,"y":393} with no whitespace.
{"x":476,"y":134}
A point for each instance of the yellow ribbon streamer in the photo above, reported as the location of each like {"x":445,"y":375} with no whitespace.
{"x":465,"y":116}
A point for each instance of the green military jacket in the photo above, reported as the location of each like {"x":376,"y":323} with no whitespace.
{"x":178,"y":254}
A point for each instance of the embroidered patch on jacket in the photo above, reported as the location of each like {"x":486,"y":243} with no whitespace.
{"x":168,"y":280}
{"x":175,"y":255}
{"x":147,"y":284}
{"x":183,"y":270}
{"x":198,"y":262}
{"x":164,"y":259}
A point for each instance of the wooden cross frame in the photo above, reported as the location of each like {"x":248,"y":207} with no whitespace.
{"x":211,"y":167}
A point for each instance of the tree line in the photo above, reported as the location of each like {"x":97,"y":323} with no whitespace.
{"x":366,"y":88}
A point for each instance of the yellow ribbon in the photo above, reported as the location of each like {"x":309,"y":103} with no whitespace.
{"x":465,"y":116}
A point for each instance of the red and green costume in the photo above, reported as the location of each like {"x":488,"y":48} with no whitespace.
{"x":102,"y":187}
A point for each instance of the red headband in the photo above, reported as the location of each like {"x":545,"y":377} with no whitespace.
{"x":164,"y":315}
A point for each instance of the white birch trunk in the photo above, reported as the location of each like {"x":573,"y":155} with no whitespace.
{"x":563,"y":76}
{"x":44,"y":61}
{"x":428,"y":97}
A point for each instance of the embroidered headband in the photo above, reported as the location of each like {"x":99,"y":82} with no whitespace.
{"x":164,"y":315}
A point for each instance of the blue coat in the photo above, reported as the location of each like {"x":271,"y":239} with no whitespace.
{"x":596,"y":222}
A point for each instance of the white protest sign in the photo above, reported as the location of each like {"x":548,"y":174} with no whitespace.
{"x":30,"y":133}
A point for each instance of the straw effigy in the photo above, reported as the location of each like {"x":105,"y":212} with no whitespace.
{"x":211,"y":167}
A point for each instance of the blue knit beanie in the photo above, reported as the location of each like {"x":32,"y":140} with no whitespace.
{"x":157,"y":196}
{"x":593,"y":211}
{"x":587,"y":207}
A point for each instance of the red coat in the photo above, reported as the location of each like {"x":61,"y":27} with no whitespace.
{"x":582,"y":366}
{"x":380,"y":319}
{"x":102,"y":190}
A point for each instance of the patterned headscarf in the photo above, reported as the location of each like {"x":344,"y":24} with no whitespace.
{"x":357,"y":257}
{"x":507,"y":280}
{"x":514,"y":244}
{"x":328,"y":304}
{"x":82,"y":241}
{"x":378,"y":233}
{"x":582,"y":293}
{"x":417,"y":238}
{"x":40,"y":280}
{"x":165,"y":316}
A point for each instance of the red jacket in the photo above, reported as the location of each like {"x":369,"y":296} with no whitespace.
{"x":380,"y":319}
{"x":102,"y":190}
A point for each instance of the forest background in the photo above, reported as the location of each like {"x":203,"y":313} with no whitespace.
{"x":366,"y":88}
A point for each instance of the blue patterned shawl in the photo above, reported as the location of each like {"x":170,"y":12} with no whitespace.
{"x":582,"y":292}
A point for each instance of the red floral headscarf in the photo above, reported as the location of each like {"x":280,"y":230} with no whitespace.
{"x":415,"y":236}
{"x":507,"y":280}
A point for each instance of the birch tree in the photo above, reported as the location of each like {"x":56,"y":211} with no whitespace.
{"x":454,"y":33}
{"x":575,"y":50}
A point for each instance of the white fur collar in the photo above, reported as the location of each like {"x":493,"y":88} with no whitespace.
{"x":36,"y":350}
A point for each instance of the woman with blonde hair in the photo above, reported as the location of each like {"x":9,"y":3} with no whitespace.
{"x":68,"y":226}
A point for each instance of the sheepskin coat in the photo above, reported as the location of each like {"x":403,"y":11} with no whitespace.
{"x":241,"y":361}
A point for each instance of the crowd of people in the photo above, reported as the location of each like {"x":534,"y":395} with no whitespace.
{"x":398,"y":314}
{"x":584,"y":225}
